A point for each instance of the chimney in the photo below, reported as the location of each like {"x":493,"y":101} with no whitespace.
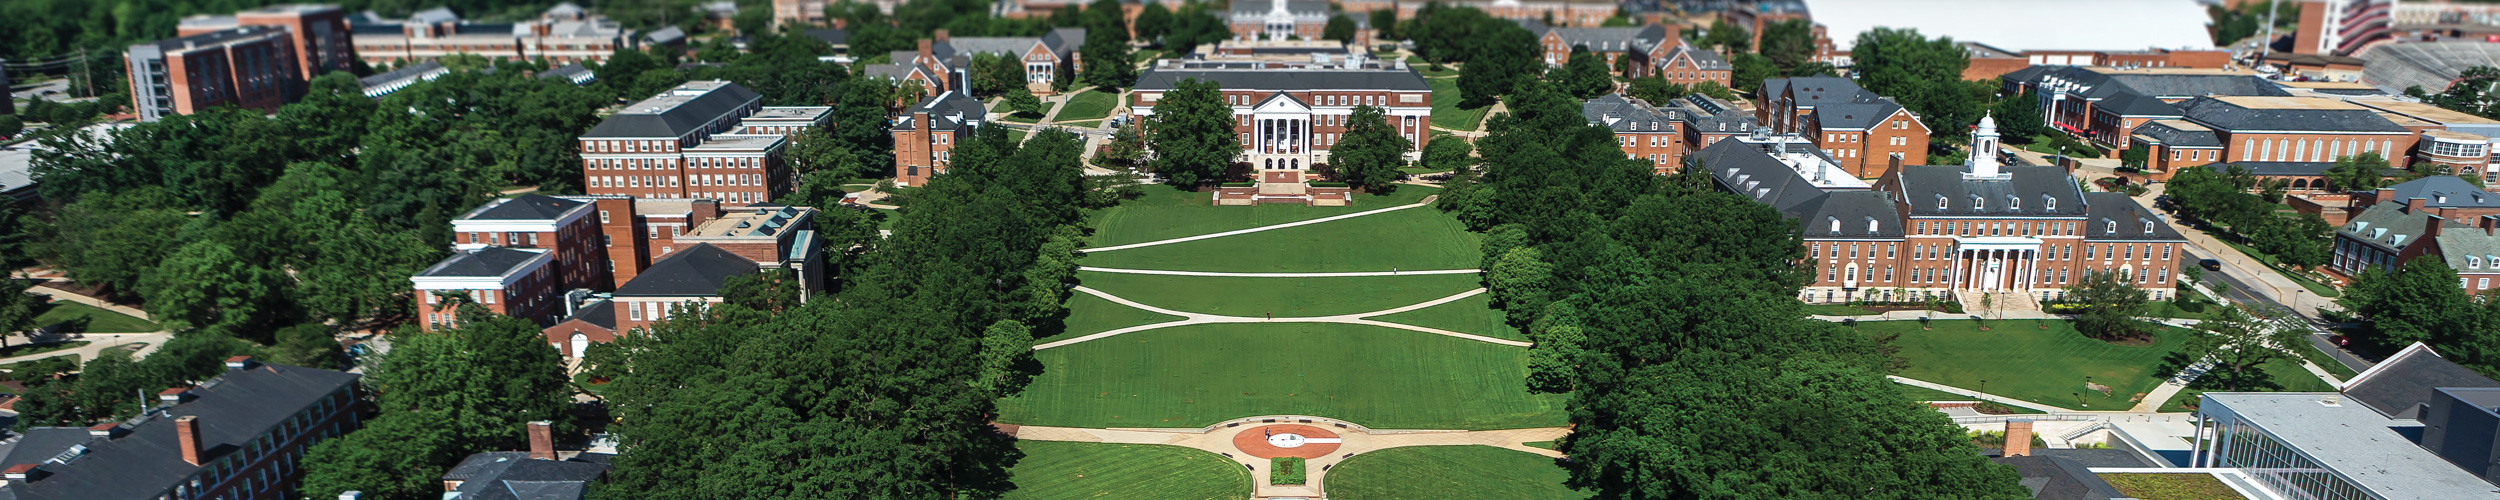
{"x":21,"y":472}
{"x":104,"y":430}
{"x":2018,"y":438}
{"x":2414,"y":205}
{"x":239,"y":363}
{"x":941,"y":34}
{"x":2489,"y":223}
{"x":187,"y":429}
{"x":2430,"y":225}
{"x":925,"y":51}
{"x":173,"y":394}
{"x":2384,"y":195}
{"x":542,"y":440}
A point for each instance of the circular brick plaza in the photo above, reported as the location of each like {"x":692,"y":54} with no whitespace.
{"x":1286,"y":440}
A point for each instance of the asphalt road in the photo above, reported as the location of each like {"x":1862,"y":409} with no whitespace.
{"x":2318,"y":332}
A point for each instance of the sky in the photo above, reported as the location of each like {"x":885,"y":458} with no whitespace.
{"x":2020,"y":25}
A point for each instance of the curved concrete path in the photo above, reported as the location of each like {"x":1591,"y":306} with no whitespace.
{"x":1191,"y":318}
{"x":1276,"y":275}
{"x":1357,"y":440}
{"x":1426,"y":201}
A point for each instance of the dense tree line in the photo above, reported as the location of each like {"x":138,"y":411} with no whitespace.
{"x":2424,"y":301}
{"x":438,"y":397}
{"x":884,"y":390}
{"x":1923,"y":74}
{"x":1495,"y":54}
{"x":1668,"y":310}
{"x":2224,"y":199}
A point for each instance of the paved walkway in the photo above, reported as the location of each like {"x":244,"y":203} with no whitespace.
{"x":1976,"y":394}
{"x":59,"y":294}
{"x":1191,"y":318}
{"x":96,"y":344}
{"x":1218,"y":439}
{"x":1427,"y":201}
{"x":1277,"y":275}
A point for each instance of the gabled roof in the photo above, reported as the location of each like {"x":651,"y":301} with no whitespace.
{"x":482,"y":263}
{"x":1815,"y":91}
{"x":2179,"y":134}
{"x":513,"y":475}
{"x":1703,"y":58}
{"x":1297,"y":80}
{"x":601,"y":313}
{"x":698,"y":271}
{"x":524,"y":207}
{"x":677,"y":112}
{"x":1740,"y":168}
{"x":2399,"y":385}
{"x":1855,"y":115}
{"x":837,"y":37}
{"x":947,"y":111}
{"x":2444,"y":191}
{"x":576,"y":73}
{"x":2388,"y":225}
{"x":1622,"y":114}
{"x":2469,"y":250}
{"x":233,"y":410}
{"x":2130,"y":216}
{"x":2053,"y":478}
{"x":1854,"y":210}
{"x":1922,"y":184}
{"x":2302,"y":114}
{"x":1603,"y":40}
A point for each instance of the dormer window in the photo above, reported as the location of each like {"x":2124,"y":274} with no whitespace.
{"x":2013,"y":203}
{"x":2048,"y":203}
{"x":2148,"y":228}
{"x":1940,"y":204}
{"x":2472,"y":262}
{"x":1978,"y":203}
{"x":1835,"y":224}
{"x":2113,"y":227}
{"x":1870,"y":225}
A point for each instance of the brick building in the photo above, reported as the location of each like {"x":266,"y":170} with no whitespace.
{"x":689,"y":142}
{"x":1279,"y":19}
{"x":943,"y":62}
{"x":2297,"y":129}
{"x":1762,"y":14}
{"x":537,"y":474}
{"x":1644,"y":47}
{"x":2341,"y":27}
{"x":1706,"y":120}
{"x":1289,"y":117}
{"x":2394,"y":233}
{"x":690,"y":264}
{"x":1948,"y":231}
{"x":520,"y":283}
{"x":2175,"y":144}
{"x":251,"y":67}
{"x":565,"y":33}
{"x":568,"y":229}
{"x":1643,"y":131}
{"x":2104,"y":105}
{"x":239,"y":436}
{"x":1687,"y":65}
{"x":927,"y":133}
{"x":320,"y":33}
{"x":1869,"y":135}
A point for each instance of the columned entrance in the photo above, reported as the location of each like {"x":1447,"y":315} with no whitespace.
{"x":1995,"y":264}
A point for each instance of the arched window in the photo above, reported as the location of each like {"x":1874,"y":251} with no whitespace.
{"x":2048,"y":203}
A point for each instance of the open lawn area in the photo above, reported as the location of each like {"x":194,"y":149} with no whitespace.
{"x":1165,"y":212}
{"x":1092,"y":104}
{"x":1449,"y":472}
{"x":1421,"y":238}
{"x":1425,"y":67}
{"x":1056,"y":470}
{"x":1284,"y":297}
{"x":97,"y":320}
{"x":1469,"y":315}
{"x":1445,"y":110}
{"x":2286,"y":375}
{"x":2021,"y":361}
{"x":1198,"y":375}
{"x":1088,"y":315}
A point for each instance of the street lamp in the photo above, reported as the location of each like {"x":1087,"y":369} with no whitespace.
{"x":2079,"y":399}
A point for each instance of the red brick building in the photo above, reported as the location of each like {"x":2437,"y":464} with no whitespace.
{"x":1639,"y":49}
{"x":1687,"y":65}
{"x":927,"y":133}
{"x":320,"y":33}
{"x":943,"y":62}
{"x":2172,"y":145}
{"x":567,"y":228}
{"x":1289,"y":117}
{"x":2298,"y":129}
{"x":1869,"y":135}
{"x":690,"y":142}
{"x":1707,"y":120}
{"x":2394,"y":232}
{"x":252,"y":67}
{"x":511,"y":282}
{"x":2104,"y":105}
{"x":691,"y":266}
{"x":1643,"y":131}
{"x":240,"y":435}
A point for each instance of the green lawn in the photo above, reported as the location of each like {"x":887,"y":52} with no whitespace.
{"x":2314,"y":287}
{"x":1089,"y":105}
{"x":1165,"y":213}
{"x":1198,"y":375}
{"x":1058,"y":470}
{"x":1083,"y":124}
{"x":2024,"y":362}
{"x":1425,"y":68}
{"x":1089,"y":315}
{"x":1018,"y":118}
{"x":2286,"y":373}
{"x":1420,"y":238}
{"x":1923,"y":394}
{"x":1837,"y":310}
{"x":1284,"y":297}
{"x":98,"y":320}
{"x":1469,"y":315}
{"x":2170,"y":486}
{"x":2197,"y":306}
{"x":1017,"y":135}
{"x":1449,"y":472}
{"x":1445,"y":110}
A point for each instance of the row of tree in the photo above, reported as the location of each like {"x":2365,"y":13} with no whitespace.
{"x":2425,"y":301}
{"x":2224,"y":199}
{"x":1668,"y":310}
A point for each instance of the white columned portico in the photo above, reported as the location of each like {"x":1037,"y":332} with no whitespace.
{"x":1999,"y":262}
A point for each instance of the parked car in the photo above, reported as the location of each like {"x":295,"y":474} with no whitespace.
{"x":2210,"y":264}
{"x":2339,"y":340}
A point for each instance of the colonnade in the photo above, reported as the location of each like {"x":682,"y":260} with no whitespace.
{"x":2014,"y":269}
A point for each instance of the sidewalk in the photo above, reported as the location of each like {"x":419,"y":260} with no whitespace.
{"x":59,"y":294}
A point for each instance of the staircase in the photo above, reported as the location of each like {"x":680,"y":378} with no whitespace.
{"x":2007,"y":302}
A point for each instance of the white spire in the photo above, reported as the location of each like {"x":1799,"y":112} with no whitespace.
{"x":1982,"y":163}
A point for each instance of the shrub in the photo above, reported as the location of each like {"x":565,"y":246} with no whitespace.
{"x":1326,"y":184}
{"x":1284,"y":470}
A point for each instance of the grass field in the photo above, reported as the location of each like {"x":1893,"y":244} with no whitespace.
{"x":1088,"y":314}
{"x":1165,"y":213}
{"x":1285,"y":297}
{"x":1469,"y":315}
{"x":2286,"y":373}
{"x":1198,"y":375}
{"x":2021,"y":361}
{"x":1449,"y":472}
{"x":1091,"y":124}
{"x":1017,"y":135}
{"x":1412,"y":239}
{"x":98,"y":320}
{"x":1445,"y":110}
{"x":1057,"y":471}
{"x":1425,"y":67}
{"x":1088,"y":105}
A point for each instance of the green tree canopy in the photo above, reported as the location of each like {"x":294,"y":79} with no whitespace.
{"x":1192,"y":134}
{"x":1370,"y":153}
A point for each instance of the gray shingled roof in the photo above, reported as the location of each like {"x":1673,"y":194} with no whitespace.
{"x":524,"y":207}
{"x":233,"y":409}
{"x":597,"y":312}
{"x":1739,"y":168}
{"x":411,"y":71}
{"x":2130,"y":216}
{"x":947,"y":111}
{"x":2387,"y":225}
{"x":2445,"y":191}
{"x":2133,"y":104}
{"x":1614,"y":111}
{"x":676,"y":121}
{"x":2225,"y":115}
{"x":1921,"y":184}
{"x":1853,"y":209}
{"x":1712,"y":116}
{"x":2399,"y":385}
{"x":2160,"y":130}
{"x":692,"y":272}
{"x":2456,"y":243}
{"x":1239,"y":7}
{"x":832,"y":36}
{"x":485,"y":262}
{"x":576,"y":73}
{"x":2053,"y":478}
{"x":1604,"y":40}
{"x":512,"y":475}
{"x":1815,"y":91}
{"x":1163,"y":79}
{"x":1706,"y":59}
{"x":1855,"y":115}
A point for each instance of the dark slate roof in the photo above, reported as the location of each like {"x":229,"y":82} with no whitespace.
{"x":665,"y":36}
{"x":1740,"y":168}
{"x":2130,"y":216}
{"x":1921,"y":184}
{"x":1704,"y":58}
{"x":693,"y":272}
{"x":597,"y":312}
{"x":2054,"y":478}
{"x":485,"y":262}
{"x":2133,"y":104}
{"x":525,"y":207}
{"x":1815,"y":91}
{"x":576,"y":73}
{"x":2227,"y":115}
{"x":2181,"y":134}
{"x":2285,"y":168}
{"x":411,"y":71}
{"x":2098,"y":457}
{"x":512,"y":475}
{"x":832,"y":36}
{"x":1855,"y":115}
{"x":1708,"y":115}
{"x":1603,"y":40}
{"x":40,"y":444}
{"x":1853,"y":209}
{"x":2445,"y":191}
{"x":675,"y":121}
{"x":1622,"y":114}
{"x":2029,"y":74}
{"x":233,"y":409}
{"x":947,"y":111}
{"x":2398,"y":386}
{"x":2387,"y":225}
{"x":2457,"y":243}
{"x":1314,"y":79}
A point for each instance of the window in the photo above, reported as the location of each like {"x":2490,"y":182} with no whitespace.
{"x":2013,"y":203}
{"x":1940,"y":204}
{"x":1853,"y":250}
{"x":2048,"y":203}
{"x":1871,"y":225}
{"x":2482,"y":284}
{"x":1977,"y":203}
{"x":2148,"y":228}
{"x":1835,"y":224}
{"x":2131,"y":252}
{"x":1890,"y":250}
{"x":2113,"y":227}
{"x":603,"y":216}
{"x":2088,"y":251}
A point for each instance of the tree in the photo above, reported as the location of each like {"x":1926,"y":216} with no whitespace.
{"x":1655,"y":90}
{"x":1585,"y":75}
{"x":205,"y":286}
{"x":10,"y":125}
{"x":2470,"y":93}
{"x":1154,"y":22}
{"x":1386,"y":22}
{"x":993,"y":74}
{"x":1339,"y":28}
{"x":1790,"y":45}
{"x":2362,"y":172}
{"x":1502,"y":56}
{"x":399,"y":455}
{"x":2239,"y":343}
{"x":18,"y":308}
{"x":2018,"y":118}
{"x":1192,"y":134}
{"x":1024,"y":104}
{"x":1750,"y":70}
{"x":1370,"y":153}
{"x":2418,"y":302}
{"x":1924,"y":74}
{"x":2106,"y":305}
{"x":2136,"y":155}
{"x":1006,"y":359}
{"x":1449,"y":153}
{"x":1108,"y":61}
{"x":1726,"y":38}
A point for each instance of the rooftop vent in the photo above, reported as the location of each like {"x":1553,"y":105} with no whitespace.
{"x":239,"y":363}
